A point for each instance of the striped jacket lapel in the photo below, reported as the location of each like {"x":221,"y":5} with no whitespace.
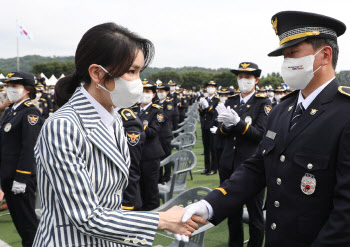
{"x":98,"y":133}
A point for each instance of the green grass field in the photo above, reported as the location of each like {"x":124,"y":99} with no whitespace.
{"x":216,"y":236}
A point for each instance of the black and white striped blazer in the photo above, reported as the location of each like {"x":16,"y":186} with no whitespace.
{"x":81,"y":176}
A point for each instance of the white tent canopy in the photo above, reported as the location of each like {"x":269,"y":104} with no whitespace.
{"x":61,"y":76}
{"x":51,"y":81}
{"x":1,"y":76}
{"x":44,"y":76}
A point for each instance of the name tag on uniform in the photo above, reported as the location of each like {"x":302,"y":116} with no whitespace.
{"x":270,"y":134}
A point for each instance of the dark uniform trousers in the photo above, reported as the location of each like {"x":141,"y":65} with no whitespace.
{"x":136,"y":138}
{"x":152,"y":119}
{"x":19,"y":130}
{"x":184,"y":103}
{"x":165,"y":137}
{"x":208,"y":117}
{"x":175,"y":117}
{"x":306,"y":170}
{"x":240,"y":142}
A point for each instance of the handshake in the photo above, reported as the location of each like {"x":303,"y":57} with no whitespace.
{"x":183,"y":222}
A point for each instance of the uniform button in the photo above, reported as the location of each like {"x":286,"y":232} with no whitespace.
{"x":234,"y":147}
{"x":264,"y":151}
{"x":273,"y":226}
{"x":283,"y":158}
{"x":278,"y":181}
{"x":234,"y":138}
{"x":277,"y":204}
{"x":310,"y":166}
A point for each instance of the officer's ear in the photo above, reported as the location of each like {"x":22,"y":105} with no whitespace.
{"x":154,"y":95}
{"x":257,"y":79}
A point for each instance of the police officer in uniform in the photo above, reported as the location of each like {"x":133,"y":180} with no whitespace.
{"x":136,"y":138}
{"x":51,"y":98}
{"x":152,"y":119}
{"x":243,"y":123}
{"x":165,"y":134}
{"x":19,"y":130}
{"x":40,"y":102}
{"x":280,"y":92}
{"x":303,"y":158}
{"x":183,"y":106}
{"x":208,"y":114}
{"x":176,"y":101}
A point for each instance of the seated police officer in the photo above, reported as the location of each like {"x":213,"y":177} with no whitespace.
{"x":243,"y":121}
{"x":152,"y":119}
{"x":304,"y":155}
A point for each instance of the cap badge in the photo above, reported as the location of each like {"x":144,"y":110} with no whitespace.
{"x":308,"y":184}
{"x":224,"y":89}
{"x":10,"y":75}
{"x":144,"y":82}
{"x":313,"y":111}
{"x":245,"y":65}
{"x":274,"y":25}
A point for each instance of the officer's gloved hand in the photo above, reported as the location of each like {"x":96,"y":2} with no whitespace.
{"x":220,"y":108}
{"x":213,"y":129}
{"x":18,"y":187}
{"x":198,"y":208}
{"x":204,"y":103}
{"x":229,"y":118}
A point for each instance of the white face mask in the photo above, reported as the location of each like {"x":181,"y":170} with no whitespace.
{"x":278,"y":97}
{"x":298,"y":72}
{"x":223,"y":99}
{"x":270,"y":94}
{"x":161,"y":96}
{"x":125,"y":93}
{"x":211,"y":90}
{"x":246,"y":85}
{"x":14,"y":94}
{"x":172,"y":89}
{"x":38,"y":95}
{"x":146,"y":98}
{"x":206,"y":94}
{"x":52,"y":91}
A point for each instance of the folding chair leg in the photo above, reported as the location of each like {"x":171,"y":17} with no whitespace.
{"x":191,"y":175}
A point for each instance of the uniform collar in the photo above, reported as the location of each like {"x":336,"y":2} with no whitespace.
{"x":15,"y":106}
{"x":306,"y":102}
{"x":246,"y":98}
{"x":145,"y":108}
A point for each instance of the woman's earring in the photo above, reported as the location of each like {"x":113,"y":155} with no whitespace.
{"x":97,"y":86}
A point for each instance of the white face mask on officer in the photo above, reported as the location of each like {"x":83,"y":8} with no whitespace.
{"x":125,"y":93}
{"x":278,"y":97}
{"x":172,"y":89}
{"x":146,"y":98}
{"x":223,"y":99}
{"x":211,"y":90}
{"x":161,"y":96}
{"x":38,"y":95}
{"x":246,"y":85}
{"x":14,"y":94}
{"x":298,"y":72}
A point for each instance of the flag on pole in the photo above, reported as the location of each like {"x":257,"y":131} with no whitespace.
{"x":23,"y":31}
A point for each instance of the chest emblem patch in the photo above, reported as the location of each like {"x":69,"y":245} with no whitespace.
{"x":248,"y":119}
{"x":145,"y":122}
{"x":308,"y":184}
{"x":160,"y":118}
{"x":133,"y":137}
{"x":7,"y":127}
{"x":33,"y":119}
{"x":267,"y":109}
{"x":169,"y":107}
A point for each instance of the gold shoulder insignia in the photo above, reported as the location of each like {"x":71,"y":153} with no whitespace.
{"x":43,"y":99}
{"x":134,"y":106}
{"x":217,"y":97}
{"x":29,"y":103}
{"x":260,"y":96}
{"x":127,"y":114}
{"x":344,"y":90}
{"x":157,"y":106}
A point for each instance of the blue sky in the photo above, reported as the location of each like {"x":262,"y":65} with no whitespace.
{"x":202,"y":33}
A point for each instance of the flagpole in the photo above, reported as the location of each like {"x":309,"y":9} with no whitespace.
{"x":17,"y":48}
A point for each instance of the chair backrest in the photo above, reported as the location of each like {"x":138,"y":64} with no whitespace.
{"x":183,"y":199}
{"x":190,"y":128}
{"x":184,"y":141}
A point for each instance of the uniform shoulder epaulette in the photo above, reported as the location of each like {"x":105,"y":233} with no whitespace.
{"x":233,"y":96}
{"x":217,"y":97}
{"x":168,"y":100}
{"x":260,"y":96}
{"x":134,"y":106}
{"x":127,"y":114}
{"x":43,"y":99}
{"x":157,"y":106}
{"x":344,"y":90}
{"x":29,"y":104}
{"x":288,"y":95}
{"x":171,"y":99}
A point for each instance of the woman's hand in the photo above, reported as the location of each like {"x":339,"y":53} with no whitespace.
{"x":1,"y":195}
{"x":171,"y":220}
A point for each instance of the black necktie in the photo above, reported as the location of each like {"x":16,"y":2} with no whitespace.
{"x":241,"y":106}
{"x":296,"y":115}
{"x":141,"y":112}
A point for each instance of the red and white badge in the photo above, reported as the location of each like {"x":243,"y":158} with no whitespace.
{"x":308,"y":184}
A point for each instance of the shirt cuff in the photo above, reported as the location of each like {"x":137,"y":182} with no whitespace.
{"x":210,"y":209}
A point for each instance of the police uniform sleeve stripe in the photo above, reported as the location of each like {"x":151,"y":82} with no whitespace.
{"x":62,"y":154}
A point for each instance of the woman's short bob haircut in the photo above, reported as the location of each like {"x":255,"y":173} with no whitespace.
{"x":110,"y":45}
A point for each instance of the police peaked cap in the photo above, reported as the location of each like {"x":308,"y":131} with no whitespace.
{"x":226,"y":90}
{"x":210,"y":83}
{"x":26,"y":79}
{"x":247,"y":67}
{"x":164,"y":86}
{"x":171,"y":83}
{"x":149,"y":84}
{"x":280,"y":89}
{"x":293,"y":27}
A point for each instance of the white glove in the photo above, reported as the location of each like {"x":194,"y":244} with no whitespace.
{"x":213,"y":129}
{"x":221,"y":108}
{"x":18,"y":187}
{"x":204,"y":103}
{"x":198,"y":208}
{"x":229,"y":118}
